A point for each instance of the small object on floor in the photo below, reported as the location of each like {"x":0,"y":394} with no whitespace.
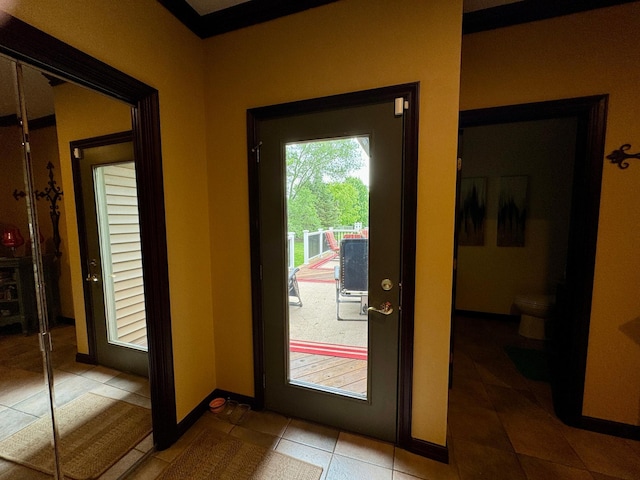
{"x":217,"y":405}
{"x":232,"y":411}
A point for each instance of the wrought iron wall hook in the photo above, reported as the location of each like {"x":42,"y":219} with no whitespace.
{"x":620,"y":156}
{"x":53,"y":193}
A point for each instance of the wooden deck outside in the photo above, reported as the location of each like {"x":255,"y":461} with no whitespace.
{"x":335,"y":372}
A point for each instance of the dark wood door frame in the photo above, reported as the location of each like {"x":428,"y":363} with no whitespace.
{"x":571,"y":340}
{"x":410,"y":156}
{"x":27,"y":44}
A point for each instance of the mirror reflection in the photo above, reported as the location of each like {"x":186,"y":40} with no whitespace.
{"x":110,"y":398}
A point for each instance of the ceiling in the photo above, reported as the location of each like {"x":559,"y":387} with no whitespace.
{"x":207,"y":18}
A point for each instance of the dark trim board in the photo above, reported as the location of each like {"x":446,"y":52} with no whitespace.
{"x":410,"y":144}
{"x":573,"y":303}
{"x":34,"y":47}
{"x":528,"y":11}
{"x":428,"y":449}
{"x":236,"y":17}
{"x":86,"y":358}
{"x":608,"y":427}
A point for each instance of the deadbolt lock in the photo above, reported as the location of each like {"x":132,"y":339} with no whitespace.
{"x":386,"y":284}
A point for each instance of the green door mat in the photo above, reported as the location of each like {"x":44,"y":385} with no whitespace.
{"x":532,"y":364}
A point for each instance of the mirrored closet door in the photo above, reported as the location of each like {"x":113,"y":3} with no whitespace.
{"x":98,"y":415}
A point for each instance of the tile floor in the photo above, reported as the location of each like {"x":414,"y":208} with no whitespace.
{"x":23,"y":398}
{"x":501,"y":426}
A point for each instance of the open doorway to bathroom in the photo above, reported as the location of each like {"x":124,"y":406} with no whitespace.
{"x":527,"y":224}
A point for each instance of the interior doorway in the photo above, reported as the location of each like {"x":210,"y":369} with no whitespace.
{"x":568,"y":346}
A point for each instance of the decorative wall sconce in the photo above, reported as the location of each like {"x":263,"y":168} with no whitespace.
{"x":620,"y":156}
{"x":52,"y":193}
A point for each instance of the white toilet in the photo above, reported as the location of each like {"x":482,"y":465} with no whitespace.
{"x":535,"y":310}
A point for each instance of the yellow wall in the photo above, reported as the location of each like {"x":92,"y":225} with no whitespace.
{"x":342,"y":47}
{"x":143,"y":40}
{"x":590,"y":53}
{"x":76,"y":120}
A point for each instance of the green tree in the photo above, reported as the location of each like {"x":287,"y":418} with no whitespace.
{"x":301,"y":212}
{"x":352,"y":200}
{"x":326,"y":207}
{"x":313,"y":162}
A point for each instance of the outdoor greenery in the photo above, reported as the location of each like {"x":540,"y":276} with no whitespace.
{"x":322,"y":190}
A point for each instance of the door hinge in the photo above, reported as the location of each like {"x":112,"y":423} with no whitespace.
{"x":45,"y":342}
{"x":459,"y":164}
{"x":264,"y":380}
{"x":260,"y":272}
{"x":77,"y":153}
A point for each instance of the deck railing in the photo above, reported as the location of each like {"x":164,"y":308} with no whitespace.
{"x":315,"y":243}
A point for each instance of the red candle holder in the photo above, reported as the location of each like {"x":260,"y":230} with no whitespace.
{"x":11,"y":238}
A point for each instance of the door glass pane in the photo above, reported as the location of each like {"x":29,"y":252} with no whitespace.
{"x":121,"y":254}
{"x":327,"y":204}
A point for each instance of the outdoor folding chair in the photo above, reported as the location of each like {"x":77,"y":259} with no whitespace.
{"x":331,"y":240}
{"x":294,"y":291}
{"x":352,"y":275}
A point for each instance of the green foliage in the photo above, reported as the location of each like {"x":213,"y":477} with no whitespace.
{"x":301,"y":212}
{"x":320,"y":191}
{"x":352,"y":200}
{"x":313,"y":162}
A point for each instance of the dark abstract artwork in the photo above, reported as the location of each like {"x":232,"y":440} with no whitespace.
{"x":471,"y":215}
{"x":512,"y":211}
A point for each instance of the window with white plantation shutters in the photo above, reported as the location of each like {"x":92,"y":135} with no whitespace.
{"x":119,"y":233}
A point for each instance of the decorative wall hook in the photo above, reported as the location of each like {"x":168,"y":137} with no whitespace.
{"x":53,"y":193}
{"x":620,"y":156}
{"x":18,"y":194}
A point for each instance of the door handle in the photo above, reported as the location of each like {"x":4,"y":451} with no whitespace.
{"x":385,"y":309}
{"x":92,"y":276}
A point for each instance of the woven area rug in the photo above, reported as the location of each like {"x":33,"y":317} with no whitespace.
{"x":214,"y":455}
{"x":95,"y":432}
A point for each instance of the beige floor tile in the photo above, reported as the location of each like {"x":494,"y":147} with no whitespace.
{"x":511,"y":401}
{"x":101,"y":374}
{"x":604,"y":453}
{"x":464,"y":366}
{"x":343,"y":468}
{"x":124,"y":464}
{"x":421,"y":467}
{"x":365,"y":449}
{"x":261,"y":439}
{"x":540,"y":438}
{"x":149,"y":470}
{"x":537,"y":469}
{"x":146,"y":444}
{"x":476,"y":461}
{"x":501,"y":371}
{"x":130,"y":383}
{"x":601,"y":476}
{"x":480,"y":425}
{"x":403,"y":476}
{"x":468,"y":392}
{"x":311,"y":434}
{"x":634,"y":445}
{"x":307,"y":454}
{"x":266,"y":422}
